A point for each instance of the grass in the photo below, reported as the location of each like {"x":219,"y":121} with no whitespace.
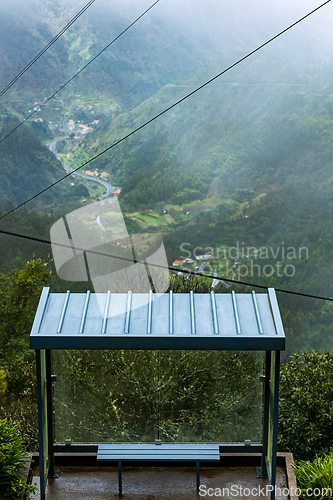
{"x":206,"y":203}
{"x":259,"y":197}
{"x":151,"y":219}
{"x":169,"y":219}
{"x":139,"y":222}
{"x":154,"y":218}
{"x":316,"y":475}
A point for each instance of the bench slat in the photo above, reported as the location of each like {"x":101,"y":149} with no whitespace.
{"x":159,"y":457}
{"x":166,"y":451}
{"x":153,"y":446}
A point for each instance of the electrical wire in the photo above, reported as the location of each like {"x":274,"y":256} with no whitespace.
{"x":165,"y":110}
{"x":166,"y":268}
{"x":78,"y":72}
{"x":61,"y":32}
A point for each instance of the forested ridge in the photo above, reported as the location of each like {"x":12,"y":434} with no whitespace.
{"x":27,"y":166}
{"x":259,"y":155}
{"x":249,"y":158}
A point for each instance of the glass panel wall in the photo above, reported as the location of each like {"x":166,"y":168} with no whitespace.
{"x":175,"y":396}
{"x":211,"y":396}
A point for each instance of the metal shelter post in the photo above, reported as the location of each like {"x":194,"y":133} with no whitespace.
{"x":270,"y":419}
{"x":262,"y":472}
{"x":50,"y":418}
{"x":45,"y":417}
{"x":42,"y":417}
{"x":273,"y":418}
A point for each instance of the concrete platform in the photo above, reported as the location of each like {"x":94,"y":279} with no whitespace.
{"x":171,"y":482}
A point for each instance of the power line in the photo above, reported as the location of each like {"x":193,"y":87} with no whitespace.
{"x":166,"y":268}
{"x":165,"y":110}
{"x":76,"y":74}
{"x":61,"y":32}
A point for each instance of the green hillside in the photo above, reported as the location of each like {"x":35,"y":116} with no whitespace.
{"x":27,"y":166}
{"x":245,"y":161}
{"x":251,"y":163}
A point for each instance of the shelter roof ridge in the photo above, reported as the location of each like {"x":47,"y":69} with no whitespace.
{"x":158,"y":321}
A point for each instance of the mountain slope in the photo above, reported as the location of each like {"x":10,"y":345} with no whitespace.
{"x":27,"y":167}
{"x":173,"y":40}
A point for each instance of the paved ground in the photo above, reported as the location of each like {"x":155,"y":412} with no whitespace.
{"x":157,"y":483}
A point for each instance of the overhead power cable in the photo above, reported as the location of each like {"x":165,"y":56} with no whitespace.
{"x":166,"y":109}
{"x":160,"y":266}
{"x":61,"y":32}
{"x":78,"y":72}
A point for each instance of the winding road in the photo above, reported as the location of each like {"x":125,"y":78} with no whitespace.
{"x":109,"y":189}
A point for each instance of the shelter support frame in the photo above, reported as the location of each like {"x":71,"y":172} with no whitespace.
{"x":45,"y":417}
{"x":270,"y":418}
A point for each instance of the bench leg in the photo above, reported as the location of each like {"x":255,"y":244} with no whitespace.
{"x":198,"y":474}
{"x":120,"y":479}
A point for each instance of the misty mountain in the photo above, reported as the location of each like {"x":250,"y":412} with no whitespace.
{"x":241,"y":129}
{"x":253,"y":150}
{"x":173,"y":40}
{"x":27,"y":166}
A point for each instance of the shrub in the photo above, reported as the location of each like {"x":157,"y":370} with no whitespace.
{"x":305,"y":407}
{"x":3,"y":382}
{"x":20,"y":291}
{"x":12,"y":457}
{"x":316,"y":475}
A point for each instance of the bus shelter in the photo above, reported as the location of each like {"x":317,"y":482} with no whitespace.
{"x":128,"y":321}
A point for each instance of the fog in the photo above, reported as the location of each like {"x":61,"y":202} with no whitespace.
{"x":219,"y":25}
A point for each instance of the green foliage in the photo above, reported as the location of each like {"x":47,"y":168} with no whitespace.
{"x":316,"y":474}
{"x":223,"y":211}
{"x":242,"y":195}
{"x":15,"y":252}
{"x":20,"y":290}
{"x":184,"y":284}
{"x":305,"y":407}
{"x":19,"y":295}
{"x":41,"y":130}
{"x":186,"y":196}
{"x":13,"y":456}
{"x":3,"y":383}
{"x":80,"y":190}
{"x":27,"y":166}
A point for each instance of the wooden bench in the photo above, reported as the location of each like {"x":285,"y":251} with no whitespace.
{"x":166,"y":452}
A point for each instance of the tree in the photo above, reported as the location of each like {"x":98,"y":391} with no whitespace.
{"x":20,"y":290}
{"x":305,"y":407}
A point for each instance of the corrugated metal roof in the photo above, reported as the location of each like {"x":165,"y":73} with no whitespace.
{"x":157,"y":321}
